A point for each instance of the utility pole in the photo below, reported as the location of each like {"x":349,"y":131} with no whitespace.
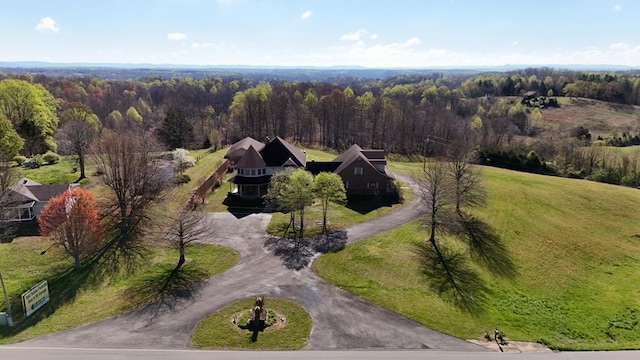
{"x":6,"y":299}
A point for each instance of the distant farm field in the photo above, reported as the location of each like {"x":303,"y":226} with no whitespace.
{"x":576,"y":246}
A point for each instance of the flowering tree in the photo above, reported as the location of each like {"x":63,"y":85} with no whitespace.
{"x":71,"y":220}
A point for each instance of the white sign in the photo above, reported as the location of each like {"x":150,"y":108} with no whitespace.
{"x":34,"y":298}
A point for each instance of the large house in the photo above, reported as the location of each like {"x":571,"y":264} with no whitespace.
{"x":25,"y":200}
{"x":364,"y":172}
{"x":257,"y":162}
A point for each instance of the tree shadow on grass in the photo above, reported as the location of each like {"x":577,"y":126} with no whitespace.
{"x":451,"y":276}
{"x":296,"y":254}
{"x":164,"y":286}
{"x":488,"y":249}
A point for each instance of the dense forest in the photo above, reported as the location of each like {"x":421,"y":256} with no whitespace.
{"x":418,"y":114}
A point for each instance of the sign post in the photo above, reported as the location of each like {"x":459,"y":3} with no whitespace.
{"x":6,"y":299}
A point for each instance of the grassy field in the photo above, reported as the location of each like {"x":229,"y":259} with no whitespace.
{"x":576,"y":246}
{"x":86,"y":295}
{"x":601,"y":118}
{"x":218,"y":332}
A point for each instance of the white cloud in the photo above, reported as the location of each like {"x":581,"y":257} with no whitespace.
{"x":305,"y":15}
{"x":617,"y":7}
{"x":47,"y":24}
{"x":413,"y":41}
{"x":176,"y":36}
{"x":196,"y":45}
{"x":515,"y":43}
{"x":354,"y":36}
{"x":373,"y":36}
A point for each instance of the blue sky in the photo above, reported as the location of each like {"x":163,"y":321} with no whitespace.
{"x":371,"y":33}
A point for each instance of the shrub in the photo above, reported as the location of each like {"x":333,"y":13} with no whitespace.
{"x":182,"y":179}
{"x":50,"y":157}
{"x":19,"y":159}
{"x":38,"y":160}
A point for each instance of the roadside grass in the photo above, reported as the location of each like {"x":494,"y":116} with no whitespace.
{"x":575,"y":243}
{"x":218,"y":332}
{"x":85,"y":295}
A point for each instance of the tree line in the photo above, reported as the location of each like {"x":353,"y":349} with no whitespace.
{"x":406,"y":114}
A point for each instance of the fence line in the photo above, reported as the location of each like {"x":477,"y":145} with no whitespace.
{"x":215,"y":180}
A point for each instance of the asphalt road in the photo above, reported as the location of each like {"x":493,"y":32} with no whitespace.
{"x":104,"y":354}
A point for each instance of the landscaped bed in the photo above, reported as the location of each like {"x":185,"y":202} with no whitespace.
{"x":227,"y":328}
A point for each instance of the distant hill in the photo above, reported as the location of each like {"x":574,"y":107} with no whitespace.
{"x":286,"y":73}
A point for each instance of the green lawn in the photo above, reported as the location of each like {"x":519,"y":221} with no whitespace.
{"x":58,"y":173}
{"x":575,"y":243}
{"x":218,"y":332}
{"x":83,"y":296}
{"x":357,"y":210}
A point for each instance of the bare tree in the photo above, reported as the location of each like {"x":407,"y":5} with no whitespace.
{"x":75,"y":137}
{"x":125,"y":163}
{"x":186,"y":228}
{"x":467,"y":179}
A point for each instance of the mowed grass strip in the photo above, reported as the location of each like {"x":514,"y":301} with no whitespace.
{"x":81,"y":296}
{"x":218,"y":332}
{"x":576,"y":245}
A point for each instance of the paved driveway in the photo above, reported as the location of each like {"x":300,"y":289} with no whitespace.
{"x":340,"y":320}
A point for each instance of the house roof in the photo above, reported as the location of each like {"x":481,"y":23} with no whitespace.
{"x":348,"y":154}
{"x":237,"y":150}
{"x":251,"y":159}
{"x":373,"y":154}
{"x":355,"y":152}
{"x":46,"y":192}
{"x":27,"y":191}
{"x":278,"y":151}
{"x":316,"y":167}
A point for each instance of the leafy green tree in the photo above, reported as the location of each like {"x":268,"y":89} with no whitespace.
{"x":133,"y":117}
{"x":328,"y":187}
{"x":292,"y":191}
{"x":10,"y":142}
{"x":32,"y":111}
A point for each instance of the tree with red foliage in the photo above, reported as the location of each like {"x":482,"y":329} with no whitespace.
{"x":71,"y":220}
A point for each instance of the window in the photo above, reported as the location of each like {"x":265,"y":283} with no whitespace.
{"x":346,"y":184}
{"x":357,"y":170}
{"x":240,"y":171}
{"x":253,"y":172}
{"x":372,"y":185}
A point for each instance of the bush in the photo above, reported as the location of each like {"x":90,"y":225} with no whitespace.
{"x":38,"y":160}
{"x":50,"y":157}
{"x":182,"y":179}
{"x":19,"y":159}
